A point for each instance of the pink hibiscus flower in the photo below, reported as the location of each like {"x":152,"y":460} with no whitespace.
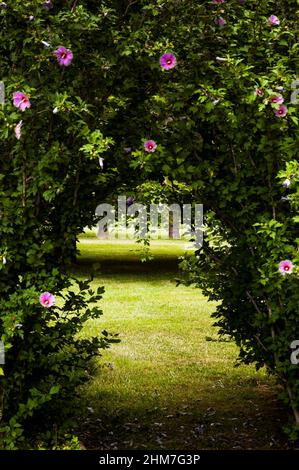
{"x":282,"y":111}
{"x":273,"y":20}
{"x":150,"y":146}
{"x":220,"y":21}
{"x":64,"y":56}
{"x":168,"y":61}
{"x":218,"y":2}
{"x":276,"y":99}
{"x":259,"y":92}
{"x":286,"y":267}
{"x":21,"y":100}
{"x":47,"y":300}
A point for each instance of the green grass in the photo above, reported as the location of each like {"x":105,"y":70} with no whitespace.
{"x":171,"y":383}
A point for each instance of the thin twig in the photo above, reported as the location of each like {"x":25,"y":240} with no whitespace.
{"x":253,"y":302}
{"x":129,"y":5}
{"x":24,"y":189}
{"x":74,"y":6}
{"x":76,"y":190}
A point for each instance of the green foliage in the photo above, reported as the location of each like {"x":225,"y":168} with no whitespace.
{"x":228,"y":145}
{"x":46,"y":359}
{"x":45,"y":201}
{"x":225,"y":142}
{"x":214,"y":136}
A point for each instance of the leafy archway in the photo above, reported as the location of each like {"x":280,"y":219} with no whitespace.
{"x":84,"y":83}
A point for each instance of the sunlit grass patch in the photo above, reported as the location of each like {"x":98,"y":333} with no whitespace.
{"x":171,"y":382}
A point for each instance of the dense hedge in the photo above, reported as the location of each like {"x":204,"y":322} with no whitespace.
{"x":53,"y":62}
{"x":225,"y":121}
{"x":87,"y":81}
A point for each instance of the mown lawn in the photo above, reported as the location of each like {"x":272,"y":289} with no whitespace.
{"x":172,"y":382}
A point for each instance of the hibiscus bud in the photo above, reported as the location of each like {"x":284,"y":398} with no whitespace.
{"x":48,"y":4}
{"x":286,"y":183}
{"x":46,"y":44}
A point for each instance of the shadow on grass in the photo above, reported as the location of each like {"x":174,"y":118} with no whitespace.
{"x":160,"y":266}
{"x":218,"y":421}
{"x":126,"y":259}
